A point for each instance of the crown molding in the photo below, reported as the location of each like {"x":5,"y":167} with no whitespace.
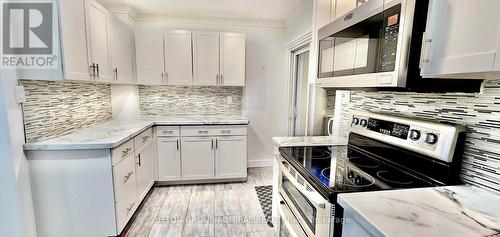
{"x":123,"y":10}
{"x":160,"y":18}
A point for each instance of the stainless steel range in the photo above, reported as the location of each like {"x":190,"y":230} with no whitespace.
{"x":383,"y":152}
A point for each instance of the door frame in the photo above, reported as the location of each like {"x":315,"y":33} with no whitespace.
{"x":300,"y":45}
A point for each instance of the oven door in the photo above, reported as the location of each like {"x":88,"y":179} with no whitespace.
{"x":288,"y":225}
{"x":312,"y":211}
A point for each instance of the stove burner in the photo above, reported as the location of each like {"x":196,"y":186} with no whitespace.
{"x":396,"y":178}
{"x":315,"y":153}
{"x":327,"y":171}
{"x":364,"y":162}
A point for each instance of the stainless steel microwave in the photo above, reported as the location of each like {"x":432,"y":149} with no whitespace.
{"x":375,"y":45}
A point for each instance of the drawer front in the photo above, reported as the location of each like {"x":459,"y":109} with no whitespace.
{"x":143,"y":138}
{"x":124,"y":177}
{"x":125,"y":208}
{"x":168,"y":131}
{"x":119,"y":153}
{"x":196,"y":131}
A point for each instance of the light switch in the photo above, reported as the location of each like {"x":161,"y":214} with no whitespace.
{"x":20,"y":94}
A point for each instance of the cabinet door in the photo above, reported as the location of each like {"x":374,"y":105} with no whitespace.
{"x":197,"y":158}
{"x":457,"y":42}
{"x":98,"y":40}
{"x":206,"y":58}
{"x":231,"y":157}
{"x":232,"y":59}
{"x":122,"y":51}
{"x":145,"y":170}
{"x":178,"y":58}
{"x":149,"y":56}
{"x":74,"y":41}
{"x":169,"y":159}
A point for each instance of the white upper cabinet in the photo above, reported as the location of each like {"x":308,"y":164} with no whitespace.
{"x":232,"y":59}
{"x":73,"y":39}
{"x":462,"y":40}
{"x":178,"y":58}
{"x":122,"y":51}
{"x":206,"y":58}
{"x":149,"y":55}
{"x":98,"y":45}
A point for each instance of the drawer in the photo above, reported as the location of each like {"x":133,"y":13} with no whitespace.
{"x":125,"y":208}
{"x":124,"y":177}
{"x":196,"y":131}
{"x":168,"y":131}
{"x":122,"y":151}
{"x":143,"y":138}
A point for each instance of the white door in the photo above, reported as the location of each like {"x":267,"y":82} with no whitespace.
{"x":169,"y":159}
{"x":462,"y":37}
{"x":206,"y":58}
{"x":98,"y":41}
{"x":149,"y":56}
{"x":74,"y":41}
{"x":144,"y":170}
{"x":197,"y":158}
{"x":178,"y":58}
{"x":231,"y":157}
{"x":122,"y":51}
{"x":232,"y":59}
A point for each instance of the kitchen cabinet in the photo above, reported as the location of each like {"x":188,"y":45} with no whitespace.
{"x":169,"y":158}
{"x":122,"y":51}
{"x":178,"y":58}
{"x":206,"y":58}
{"x":149,"y":56}
{"x":462,"y":40}
{"x":197,"y":158}
{"x":231,"y":156}
{"x":144,"y":169}
{"x":98,"y":43}
{"x":232,"y":59}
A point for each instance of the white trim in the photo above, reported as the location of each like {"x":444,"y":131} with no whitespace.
{"x":227,"y":21}
{"x":260,"y":163}
{"x":125,"y":10}
{"x":300,"y":41}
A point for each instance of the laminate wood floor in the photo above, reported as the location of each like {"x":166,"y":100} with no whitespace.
{"x":230,"y":209}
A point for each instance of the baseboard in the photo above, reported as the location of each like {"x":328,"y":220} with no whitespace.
{"x":260,"y":163}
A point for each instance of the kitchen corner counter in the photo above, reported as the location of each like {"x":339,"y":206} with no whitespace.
{"x":308,"y":141}
{"x":112,"y":133}
{"x":440,"y":211}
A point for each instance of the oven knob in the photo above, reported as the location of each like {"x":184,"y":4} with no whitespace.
{"x":357,"y":180}
{"x":364,"y":123}
{"x":431,"y":138}
{"x":415,"y":135}
{"x":350,"y":174}
{"x":355,"y":121}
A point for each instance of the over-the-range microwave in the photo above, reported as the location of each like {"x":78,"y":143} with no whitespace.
{"x":378,"y":45}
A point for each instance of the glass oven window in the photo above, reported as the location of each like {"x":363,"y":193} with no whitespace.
{"x":366,"y":47}
{"x":300,"y":202}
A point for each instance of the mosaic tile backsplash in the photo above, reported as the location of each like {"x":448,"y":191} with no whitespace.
{"x":56,"y":108}
{"x":479,"y":112}
{"x":192,"y":100}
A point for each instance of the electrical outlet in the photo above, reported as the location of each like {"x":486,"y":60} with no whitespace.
{"x":20,"y":94}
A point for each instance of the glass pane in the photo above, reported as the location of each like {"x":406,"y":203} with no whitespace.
{"x":306,"y":209}
{"x":326,"y":58}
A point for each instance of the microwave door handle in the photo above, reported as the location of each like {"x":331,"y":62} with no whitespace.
{"x":317,"y":200}
{"x":329,"y":127}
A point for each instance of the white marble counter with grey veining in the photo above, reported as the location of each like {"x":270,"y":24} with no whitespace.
{"x":308,"y":141}
{"x":440,"y":211}
{"x":112,"y":133}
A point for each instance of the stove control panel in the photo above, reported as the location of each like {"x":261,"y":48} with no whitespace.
{"x":435,"y":139}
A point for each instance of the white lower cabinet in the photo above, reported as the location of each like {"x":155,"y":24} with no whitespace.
{"x":144,"y":168}
{"x":231,"y":157}
{"x":169,"y":158}
{"x":197,"y":158}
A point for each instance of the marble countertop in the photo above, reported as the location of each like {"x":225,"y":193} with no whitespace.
{"x":308,"y":141}
{"x":112,"y":133}
{"x":440,"y":211}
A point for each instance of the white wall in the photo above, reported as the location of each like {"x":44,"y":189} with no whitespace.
{"x":16,"y":215}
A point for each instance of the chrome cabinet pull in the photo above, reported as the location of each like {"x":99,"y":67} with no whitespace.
{"x":116,"y":73}
{"x":212,"y":141}
{"x":93,"y":68}
{"x":97,"y":66}
{"x":125,"y":152}
{"x":216,"y":143}
{"x":145,"y":138}
{"x":203,"y":132}
{"x":131,"y":206}
{"x":221,"y":78}
{"x":168,"y":132}
{"x":226,"y":131}
{"x":177,"y":143}
{"x":127,"y":176}
{"x":139,"y":157}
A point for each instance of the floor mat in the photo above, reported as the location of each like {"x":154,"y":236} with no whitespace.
{"x":265,"y":194}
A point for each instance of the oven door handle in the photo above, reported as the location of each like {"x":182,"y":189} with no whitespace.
{"x":316,"y":199}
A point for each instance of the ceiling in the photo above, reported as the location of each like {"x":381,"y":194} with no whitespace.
{"x":244,"y":9}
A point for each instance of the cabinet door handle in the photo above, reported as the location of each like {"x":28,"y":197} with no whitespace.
{"x":145,"y":138}
{"x":177,"y":143}
{"x":131,"y":206}
{"x":127,"y":176}
{"x":125,"y":152}
{"x":212,"y":141}
{"x":217,"y":78}
{"x":203,"y":132}
{"x":93,"y":67}
{"x":226,"y":131}
{"x":116,"y":73}
{"x":139,"y":157}
{"x":168,"y":132}
{"x":97,"y":66}
{"x":216,"y":143}
{"x":221,"y":78}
